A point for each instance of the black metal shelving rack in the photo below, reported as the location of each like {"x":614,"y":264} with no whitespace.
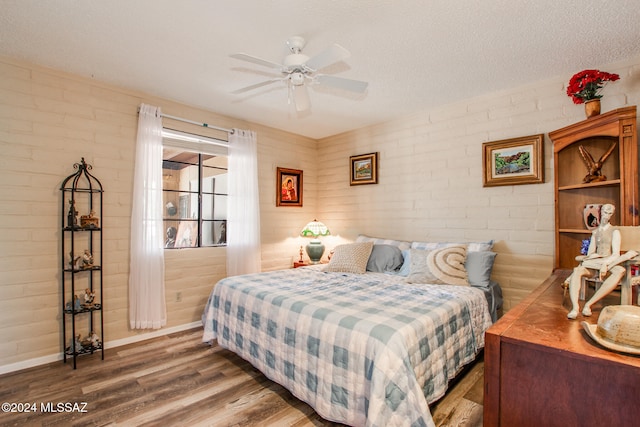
{"x":82,"y":188}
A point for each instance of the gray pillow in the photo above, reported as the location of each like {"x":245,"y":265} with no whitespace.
{"x":479,"y":266}
{"x":384,"y":258}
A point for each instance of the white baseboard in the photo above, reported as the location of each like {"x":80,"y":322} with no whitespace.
{"x":12,"y":367}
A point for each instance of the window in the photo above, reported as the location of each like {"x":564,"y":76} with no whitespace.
{"x":194,"y":184}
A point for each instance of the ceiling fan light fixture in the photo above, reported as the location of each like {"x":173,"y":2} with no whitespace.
{"x":297,"y":79}
{"x":298,"y":69}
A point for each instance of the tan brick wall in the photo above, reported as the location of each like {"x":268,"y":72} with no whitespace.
{"x":48,"y":121}
{"x":430,"y":175}
{"x":430,"y":189}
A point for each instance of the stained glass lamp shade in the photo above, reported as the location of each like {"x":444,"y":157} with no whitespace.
{"x":315,"y":248}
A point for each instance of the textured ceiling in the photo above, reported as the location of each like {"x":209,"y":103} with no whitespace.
{"x":415,"y":54}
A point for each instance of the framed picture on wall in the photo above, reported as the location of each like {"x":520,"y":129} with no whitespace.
{"x":288,"y":187}
{"x":513,"y":161}
{"x":364,"y":169}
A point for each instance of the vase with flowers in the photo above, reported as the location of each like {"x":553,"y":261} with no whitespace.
{"x":584,"y":88}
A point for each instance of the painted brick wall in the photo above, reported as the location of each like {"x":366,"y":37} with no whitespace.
{"x":430,"y":176}
{"x":48,"y":121}
{"x":430,"y":189}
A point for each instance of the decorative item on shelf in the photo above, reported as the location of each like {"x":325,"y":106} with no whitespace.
{"x":72,"y":216}
{"x":89,"y":298}
{"x":87,"y":260}
{"x":594,"y":168}
{"x":603,"y":261}
{"x":592,"y":108}
{"x":584,"y":88}
{"x":618,"y":328}
{"x":301,"y":260}
{"x":89,"y":221}
{"x":584,"y":246}
{"x":315,"y":248}
{"x":73,"y":261}
{"x":591,"y":217}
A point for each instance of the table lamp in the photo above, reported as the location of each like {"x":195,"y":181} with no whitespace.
{"x":315,"y":248}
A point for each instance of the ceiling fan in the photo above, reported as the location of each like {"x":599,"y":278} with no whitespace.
{"x":298,"y":70}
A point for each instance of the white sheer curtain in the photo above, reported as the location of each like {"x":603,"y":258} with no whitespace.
{"x":147,"y":308}
{"x":243,"y":221}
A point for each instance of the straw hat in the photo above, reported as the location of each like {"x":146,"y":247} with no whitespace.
{"x":618,"y":328}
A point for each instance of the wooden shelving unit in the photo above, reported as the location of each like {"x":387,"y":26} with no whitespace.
{"x":620,"y":188}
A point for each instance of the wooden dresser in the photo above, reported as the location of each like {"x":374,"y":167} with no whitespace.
{"x":542,"y":369}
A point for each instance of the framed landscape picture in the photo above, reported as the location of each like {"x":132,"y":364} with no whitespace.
{"x":288,"y":187}
{"x":513,"y":161}
{"x":364,"y":169}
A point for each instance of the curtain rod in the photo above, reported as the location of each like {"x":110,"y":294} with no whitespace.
{"x":204,"y":125}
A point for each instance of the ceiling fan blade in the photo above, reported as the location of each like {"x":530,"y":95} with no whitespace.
{"x":255,"y":86}
{"x":342,"y":83}
{"x":301,"y":97}
{"x":331,"y":55}
{"x":256,"y":60}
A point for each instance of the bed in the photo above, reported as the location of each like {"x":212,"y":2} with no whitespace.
{"x":361,"y":347}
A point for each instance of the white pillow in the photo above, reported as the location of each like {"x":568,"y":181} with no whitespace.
{"x":471,"y":246}
{"x":439,"y":266}
{"x":402,"y":245}
{"x":350,"y":258}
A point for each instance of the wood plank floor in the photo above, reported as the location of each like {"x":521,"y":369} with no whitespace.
{"x":178,"y":380}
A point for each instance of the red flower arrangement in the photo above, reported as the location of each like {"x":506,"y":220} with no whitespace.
{"x":584,"y":86}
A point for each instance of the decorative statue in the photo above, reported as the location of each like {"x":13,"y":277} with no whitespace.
{"x":72,"y":216}
{"x":74,"y":260}
{"x":594,"y":173}
{"x":77,"y":306}
{"x":95,"y":339}
{"x":89,"y":296}
{"x":87,"y":259}
{"x":78,"y":343}
{"x":602,"y":256}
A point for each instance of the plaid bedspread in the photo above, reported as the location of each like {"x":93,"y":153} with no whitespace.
{"x":360,"y":349}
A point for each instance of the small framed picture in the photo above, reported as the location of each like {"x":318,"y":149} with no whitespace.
{"x":513,"y":161}
{"x":288,"y":187}
{"x":364,"y":169}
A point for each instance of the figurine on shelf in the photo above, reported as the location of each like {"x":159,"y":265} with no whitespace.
{"x":95,"y":339}
{"x":603,"y":257}
{"x":77,"y":305}
{"x":594,"y":168}
{"x":78,"y":344}
{"x":86,"y":342}
{"x":89,"y":297}
{"x":73,"y":262}
{"x":87,"y":260}
{"x":89,"y":221}
{"x":72,"y":216}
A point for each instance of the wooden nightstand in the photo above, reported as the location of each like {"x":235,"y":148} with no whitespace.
{"x":297,"y":264}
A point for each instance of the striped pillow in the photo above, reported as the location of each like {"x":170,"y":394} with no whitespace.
{"x":350,"y":258}
{"x":439,"y":266}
